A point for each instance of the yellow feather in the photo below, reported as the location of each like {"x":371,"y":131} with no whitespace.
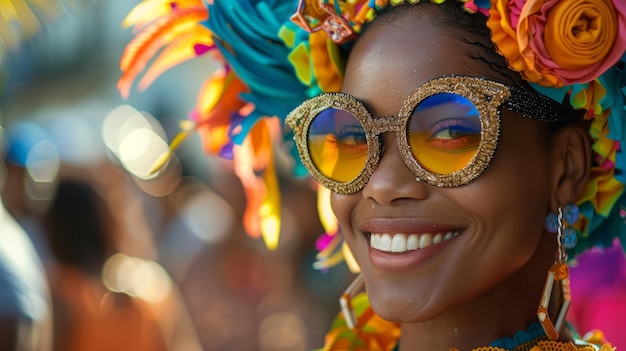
{"x":165,"y":157}
{"x":327,"y":217}
{"x":270,"y":208}
{"x":330,"y":261}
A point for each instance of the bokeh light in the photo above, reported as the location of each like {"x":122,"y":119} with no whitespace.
{"x":282,"y":332}
{"x":136,"y":277}
{"x":135,"y":138}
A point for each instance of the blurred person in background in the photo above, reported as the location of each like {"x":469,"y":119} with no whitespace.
{"x":25,"y":307}
{"x":89,"y":316}
{"x":106,"y":295}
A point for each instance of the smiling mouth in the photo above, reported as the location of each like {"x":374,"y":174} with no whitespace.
{"x":399,"y":242}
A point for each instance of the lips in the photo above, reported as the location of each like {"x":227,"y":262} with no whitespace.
{"x":399,"y":242}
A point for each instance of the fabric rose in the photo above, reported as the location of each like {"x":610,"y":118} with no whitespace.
{"x":503,"y":20}
{"x":569,"y":42}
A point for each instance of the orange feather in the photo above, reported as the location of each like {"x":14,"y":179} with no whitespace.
{"x":146,"y":44}
{"x":179,"y":51}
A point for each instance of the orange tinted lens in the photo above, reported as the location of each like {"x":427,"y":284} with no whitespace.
{"x":337,"y":145}
{"x":444,"y":133}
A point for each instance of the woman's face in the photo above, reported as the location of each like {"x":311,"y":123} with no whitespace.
{"x":488,"y":230}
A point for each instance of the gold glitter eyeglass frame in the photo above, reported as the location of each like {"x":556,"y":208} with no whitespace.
{"x":488,"y":96}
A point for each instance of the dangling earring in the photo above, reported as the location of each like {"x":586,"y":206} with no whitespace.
{"x":559,"y":273}
{"x":345,"y":301}
{"x":571,"y":214}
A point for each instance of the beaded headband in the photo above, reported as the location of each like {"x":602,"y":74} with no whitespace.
{"x":275,"y":54}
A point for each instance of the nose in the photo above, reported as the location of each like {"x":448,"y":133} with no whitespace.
{"x":393,"y":180}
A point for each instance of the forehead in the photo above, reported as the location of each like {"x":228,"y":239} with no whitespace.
{"x":394,"y":58}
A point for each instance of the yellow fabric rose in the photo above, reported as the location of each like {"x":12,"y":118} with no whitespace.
{"x":572,"y":41}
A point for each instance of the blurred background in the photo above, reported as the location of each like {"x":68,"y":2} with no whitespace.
{"x":130,"y":262}
{"x":134,"y":262}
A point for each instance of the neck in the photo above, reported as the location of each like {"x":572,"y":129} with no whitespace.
{"x":476,"y":325}
{"x":509,"y":307}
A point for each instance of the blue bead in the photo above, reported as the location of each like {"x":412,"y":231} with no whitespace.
{"x":551,"y":223}
{"x":570,"y":237}
{"x":571,"y":213}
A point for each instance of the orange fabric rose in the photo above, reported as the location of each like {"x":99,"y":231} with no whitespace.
{"x":572,"y":41}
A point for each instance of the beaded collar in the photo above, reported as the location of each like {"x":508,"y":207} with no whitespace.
{"x":523,"y":340}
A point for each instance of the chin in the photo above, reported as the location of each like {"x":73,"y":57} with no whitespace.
{"x":395,"y":305}
{"x":399,"y":314}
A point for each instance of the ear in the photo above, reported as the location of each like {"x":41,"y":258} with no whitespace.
{"x":570,"y":160}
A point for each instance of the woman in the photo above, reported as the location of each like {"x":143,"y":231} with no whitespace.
{"x":463,"y":137}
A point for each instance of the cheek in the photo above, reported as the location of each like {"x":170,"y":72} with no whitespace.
{"x":509,"y":219}
{"x":512,"y":196}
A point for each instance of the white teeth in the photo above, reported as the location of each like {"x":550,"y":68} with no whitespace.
{"x":425,"y":240}
{"x":438,"y":238}
{"x":398,"y":243}
{"x":375,"y":240}
{"x":385,"y":243}
{"x":401,"y":242}
{"x":412,"y":242}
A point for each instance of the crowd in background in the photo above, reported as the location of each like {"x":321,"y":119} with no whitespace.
{"x":135,"y":262}
{"x":164,"y":264}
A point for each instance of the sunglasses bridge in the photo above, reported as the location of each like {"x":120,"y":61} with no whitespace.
{"x":380,"y":125}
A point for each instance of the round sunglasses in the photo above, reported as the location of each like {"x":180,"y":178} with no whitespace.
{"x":447,"y":131}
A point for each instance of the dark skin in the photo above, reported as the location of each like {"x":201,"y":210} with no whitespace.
{"x":485,"y":283}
